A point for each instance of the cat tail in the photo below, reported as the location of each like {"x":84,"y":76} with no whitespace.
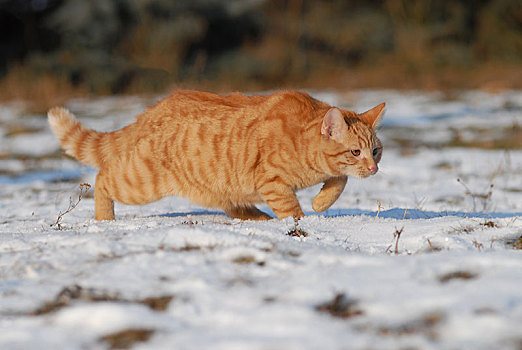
{"x":84,"y":144}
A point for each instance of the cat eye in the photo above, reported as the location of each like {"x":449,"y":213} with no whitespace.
{"x":375,"y":151}
{"x":356,"y":152}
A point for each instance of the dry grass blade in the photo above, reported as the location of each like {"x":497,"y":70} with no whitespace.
{"x":84,"y":188}
{"x":431,"y":246}
{"x":397,"y":236}
{"x":378,"y":210}
{"x":483,"y":197}
{"x":478,"y":245}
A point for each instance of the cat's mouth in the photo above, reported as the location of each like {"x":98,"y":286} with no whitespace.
{"x":365,"y":174}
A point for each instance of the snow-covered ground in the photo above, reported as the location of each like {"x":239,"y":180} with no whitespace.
{"x":421,"y":256}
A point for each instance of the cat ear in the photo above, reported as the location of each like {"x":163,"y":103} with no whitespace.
{"x":334,"y":127}
{"x":373,"y":117}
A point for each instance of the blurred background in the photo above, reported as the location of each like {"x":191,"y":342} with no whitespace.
{"x":52,"y":50}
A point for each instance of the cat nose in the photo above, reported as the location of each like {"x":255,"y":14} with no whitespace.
{"x":373,"y":169}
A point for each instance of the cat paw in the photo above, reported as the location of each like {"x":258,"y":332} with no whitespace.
{"x":319,"y":205}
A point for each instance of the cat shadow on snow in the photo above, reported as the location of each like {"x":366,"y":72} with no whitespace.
{"x":395,"y":213}
{"x":403,"y":213}
{"x":190,"y":213}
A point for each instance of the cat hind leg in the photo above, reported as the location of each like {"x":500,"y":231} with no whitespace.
{"x":103,"y":204}
{"x":246,"y":213}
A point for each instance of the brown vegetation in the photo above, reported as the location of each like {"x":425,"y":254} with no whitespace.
{"x":76,"y":293}
{"x":127,"y":338}
{"x":341,"y":307}
{"x":151,"y":46}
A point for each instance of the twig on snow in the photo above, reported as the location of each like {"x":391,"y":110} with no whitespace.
{"x":84,"y":188}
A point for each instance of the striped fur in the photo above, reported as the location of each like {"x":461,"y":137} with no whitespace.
{"x":229,"y":152}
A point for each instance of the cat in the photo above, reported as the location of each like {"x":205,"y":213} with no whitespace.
{"x":227,"y":152}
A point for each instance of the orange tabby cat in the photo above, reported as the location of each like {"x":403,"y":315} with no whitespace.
{"x":228,"y":152}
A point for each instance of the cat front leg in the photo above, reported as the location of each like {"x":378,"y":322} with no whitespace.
{"x":281,"y":198}
{"x":246,"y":213}
{"x":330,"y":192}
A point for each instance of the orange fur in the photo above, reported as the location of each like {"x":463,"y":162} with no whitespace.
{"x":229,"y":152}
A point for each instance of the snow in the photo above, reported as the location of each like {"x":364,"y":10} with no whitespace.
{"x":450,"y":280}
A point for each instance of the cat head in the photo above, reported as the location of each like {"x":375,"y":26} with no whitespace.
{"x":352,"y":146}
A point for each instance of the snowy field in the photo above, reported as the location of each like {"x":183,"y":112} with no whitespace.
{"x":427,"y":254}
